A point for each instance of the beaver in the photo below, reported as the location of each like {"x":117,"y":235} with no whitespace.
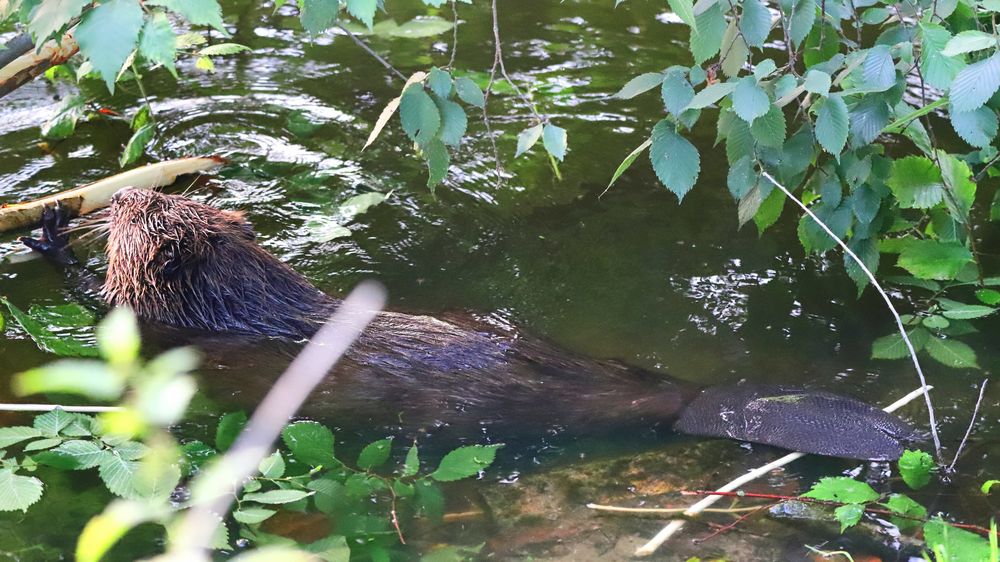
{"x":182,"y":263}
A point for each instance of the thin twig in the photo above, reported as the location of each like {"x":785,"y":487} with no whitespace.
{"x":364,"y":46}
{"x":888,"y":302}
{"x":213,"y":489}
{"x":676,"y":525}
{"x":734,"y":524}
{"x":972,"y":423}
{"x":497,"y":56}
{"x":454,"y":35}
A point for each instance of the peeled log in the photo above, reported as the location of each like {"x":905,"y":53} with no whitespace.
{"x":31,"y":64}
{"x":93,"y":196}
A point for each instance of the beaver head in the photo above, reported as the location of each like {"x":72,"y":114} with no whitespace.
{"x":187,"y":264}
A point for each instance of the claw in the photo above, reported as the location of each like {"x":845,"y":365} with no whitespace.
{"x":53,"y":244}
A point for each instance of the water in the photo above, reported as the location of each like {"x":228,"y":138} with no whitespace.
{"x":631,"y":275}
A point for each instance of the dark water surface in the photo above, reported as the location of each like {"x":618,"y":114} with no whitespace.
{"x":630,"y":275}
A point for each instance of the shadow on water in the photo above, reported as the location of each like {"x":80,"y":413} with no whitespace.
{"x":676,"y":289}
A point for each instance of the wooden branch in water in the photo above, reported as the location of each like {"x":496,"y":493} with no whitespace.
{"x":31,"y":64}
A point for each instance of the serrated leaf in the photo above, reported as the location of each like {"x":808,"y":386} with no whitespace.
{"x":750,"y":101}
{"x":318,"y":15}
{"x":769,"y":129}
{"x":137,"y":145}
{"x":229,"y":428}
{"x":675,"y":160}
{"x":252,"y":515}
{"x":627,"y":162}
{"x":438,"y":161}
{"x":742,"y":177}
{"x":711,"y":94}
{"x":749,"y":204}
{"x":962,"y":311}
{"x":930,"y":259}
{"x":453,"y":121}
{"x":915,"y":467}
{"x":706,"y":37}
{"x":878,"y":70}
{"x":383,"y":119}
{"x":975,"y":84}
{"x":916,"y":182}
{"x":273,"y":466}
{"x":841,"y":489}
{"x":277,"y":497}
{"x":45,"y":339}
{"x":158,"y":42}
{"x":968,"y":42}
{"x":412,"y":463}
{"x":755,"y":22}
{"x":848,"y":515}
{"x":893,"y":346}
{"x":363,"y":10}
{"x":13,"y":435}
{"x":802,"y":21}
{"x":18,"y":493}
{"x":821,"y":45}
{"x":84,"y":454}
{"x":51,"y":16}
{"x":310,"y":443}
{"x":903,"y":505}
{"x":198,"y":12}
{"x":817,"y":82}
{"x":769,"y":211}
{"x":419,"y":115}
{"x":640,"y":84}
{"x":554,"y":141}
{"x":469,"y":92}
{"x":465,"y":462}
{"x":223,"y":49}
{"x":42,"y":444}
{"x":374,"y":454}
{"x":734,"y":51}
{"x":119,"y":475}
{"x":868,"y":118}
{"x":51,"y":423}
{"x":958,"y":545}
{"x":684,"y":10}
{"x":937,"y":69}
{"x":977,"y":127}
{"x":107,"y":36}
{"x":867,"y":250}
{"x":439,"y":81}
{"x":832,"y":124}
{"x":527,"y":139}
{"x":676,"y":92}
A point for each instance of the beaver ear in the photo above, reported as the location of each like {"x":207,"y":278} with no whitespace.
{"x":241,"y":224}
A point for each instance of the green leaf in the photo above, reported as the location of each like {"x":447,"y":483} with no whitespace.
{"x":868,"y":118}
{"x":706,"y":36}
{"x":988,"y":485}
{"x":742,"y":177}
{"x":954,"y":544}
{"x":916,"y":182}
{"x":438,"y":161}
{"x":769,"y":129}
{"x":230,"y":427}
{"x":750,"y":101}
{"x":527,"y":139}
{"x":639,"y":84}
{"x":937,"y":69}
{"x":52,"y":422}
{"x":893,"y":346}
{"x":842,"y":489}
{"x":363,"y":10}
{"x":318,"y":15}
{"x":469,"y":92}
{"x":817,"y":82}
{"x":915,"y":468}
{"x":988,"y":296}
{"x":118,"y":337}
{"x":769,"y":211}
{"x":108,"y":34}
{"x":332,"y":549}
{"x":822,"y":43}
{"x":465,"y":462}
{"x":252,"y":515}
{"x":711,"y":94}
{"x":421,"y":26}
{"x":977,"y":127}
{"x":554,"y":141}
{"x":453,"y":121}
{"x":273,"y":466}
{"x":903,"y":505}
{"x":929,"y":259}
{"x":18,"y":492}
{"x":848,"y":515}
{"x":802,"y":20}
{"x":867,"y":250}
{"x":675,"y":160}
{"x":119,"y":475}
{"x":419,"y":115}
{"x":223,"y":49}
{"x":15,"y":434}
{"x":952,"y":353}
{"x":277,"y":497}
{"x":440,"y":82}
{"x":137,"y":145}
{"x":412,"y":463}
{"x":961,"y":311}
{"x":975,"y":84}
{"x":63,"y":123}
{"x":936,"y":322}
{"x":198,"y":12}
{"x":734,"y":52}
{"x":684,"y":10}
{"x":374,"y":454}
{"x":310,"y":443}
{"x":82,"y":454}
{"x":676,"y":92}
{"x":158,"y":42}
{"x":627,"y":162}
{"x":831,"y":124}
{"x":51,"y":16}
{"x":968,"y":42}
{"x":755,"y":22}
{"x":878,"y":70}
{"x":45,"y":339}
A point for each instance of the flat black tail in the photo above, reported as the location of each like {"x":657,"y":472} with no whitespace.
{"x":797,"y":419}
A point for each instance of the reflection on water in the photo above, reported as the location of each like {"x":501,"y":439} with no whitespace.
{"x":631,"y":275}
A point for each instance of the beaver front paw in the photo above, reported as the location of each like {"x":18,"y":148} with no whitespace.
{"x":53,"y":243}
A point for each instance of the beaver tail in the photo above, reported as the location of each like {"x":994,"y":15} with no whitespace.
{"x":802,"y":420}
